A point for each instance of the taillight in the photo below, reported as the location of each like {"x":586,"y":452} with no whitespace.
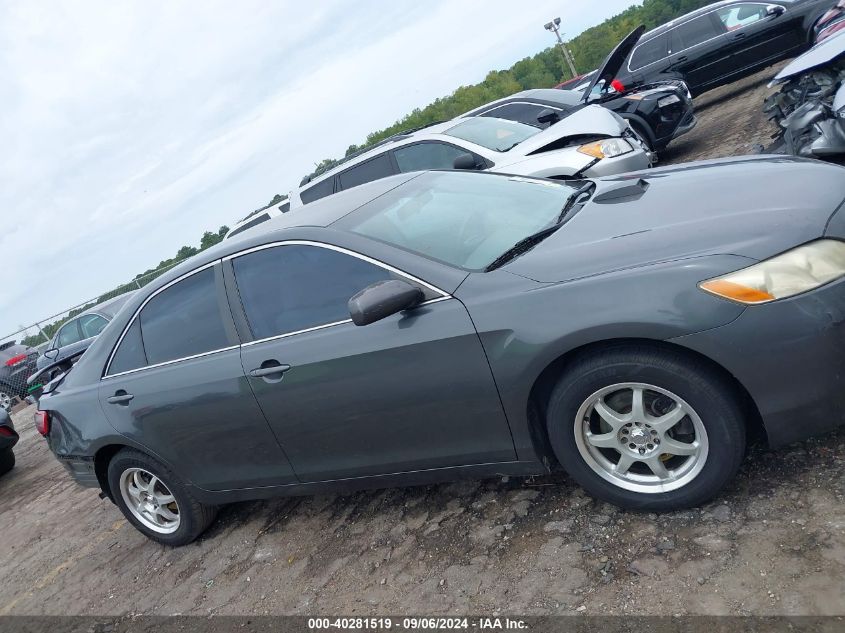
{"x":5,"y":431}
{"x":42,"y":422}
{"x":14,"y":360}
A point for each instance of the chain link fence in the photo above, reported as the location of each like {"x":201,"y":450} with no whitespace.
{"x":20,"y":351}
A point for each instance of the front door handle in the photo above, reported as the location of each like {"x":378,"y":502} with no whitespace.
{"x":268,"y":369}
{"x":739,"y":36}
{"x":682,"y":58}
{"x":120,"y":397}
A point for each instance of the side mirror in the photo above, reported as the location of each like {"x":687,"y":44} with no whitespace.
{"x":52,"y":354}
{"x":548,"y":116}
{"x":774,"y":9}
{"x":465,"y":162}
{"x":381,"y":299}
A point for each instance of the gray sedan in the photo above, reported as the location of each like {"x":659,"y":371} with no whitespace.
{"x":633,"y":331}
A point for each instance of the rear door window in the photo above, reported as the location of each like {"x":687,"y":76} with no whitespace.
{"x":69,"y":334}
{"x":320,"y":190}
{"x":694,"y":32}
{"x":522,"y":112}
{"x":92,"y":325}
{"x":373,"y":169}
{"x":422,"y":156}
{"x":130,"y":353}
{"x":653,"y":50}
{"x":183,"y":320}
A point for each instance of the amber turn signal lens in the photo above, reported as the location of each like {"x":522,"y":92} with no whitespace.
{"x":593,"y":149}
{"x":737,"y":292}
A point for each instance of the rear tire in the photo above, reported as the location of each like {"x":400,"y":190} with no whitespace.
{"x":7,"y":461}
{"x":677,"y":449}
{"x":155,"y":500}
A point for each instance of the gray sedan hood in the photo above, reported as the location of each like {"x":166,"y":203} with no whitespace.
{"x":754,"y":207}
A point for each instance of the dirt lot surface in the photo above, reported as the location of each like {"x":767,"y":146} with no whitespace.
{"x":774,"y":543}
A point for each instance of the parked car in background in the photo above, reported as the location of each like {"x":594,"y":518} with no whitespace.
{"x":8,"y":439}
{"x":257,"y":217}
{"x":78,"y":333}
{"x":809,"y":108}
{"x":830,"y":23}
{"x":657,"y":112}
{"x":17,"y":363}
{"x":632,"y":330}
{"x":723,"y":42}
{"x":590,"y":142}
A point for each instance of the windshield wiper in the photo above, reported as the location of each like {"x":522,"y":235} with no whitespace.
{"x":574,"y":197}
{"x":521,"y":246}
{"x":532,"y":240}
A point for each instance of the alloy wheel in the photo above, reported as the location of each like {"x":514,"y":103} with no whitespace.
{"x":641,"y":437}
{"x":5,"y":401}
{"x":150,"y":500}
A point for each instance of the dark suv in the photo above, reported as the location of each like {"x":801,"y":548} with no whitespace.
{"x":723,"y":42}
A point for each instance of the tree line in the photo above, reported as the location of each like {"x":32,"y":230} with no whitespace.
{"x":546,"y":69}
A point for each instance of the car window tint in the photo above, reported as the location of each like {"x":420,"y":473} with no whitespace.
{"x":320,"y":190}
{"x":290,"y":288}
{"x":92,"y":325}
{"x":522,"y":112}
{"x":649,"y":52}
{"x":263,"y":217}
{"x":741,"y":15}
{"x":130,"y":354}
{"x":694,"y":32}
{"x":373,"y":169}
{"x":427,"y":156}
{"x":183,"y":320}
{"x":69,"y":334}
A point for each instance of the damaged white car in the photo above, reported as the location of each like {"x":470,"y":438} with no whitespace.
{"x":809,"y":109}
{"x":591,"y":142}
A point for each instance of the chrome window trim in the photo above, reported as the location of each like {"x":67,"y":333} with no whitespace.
{"x":345,"y":251}
{"x":443,"y":297}
{"x":170,"y":362}
{"x":683,"y":50}
{"x":131,"y":322}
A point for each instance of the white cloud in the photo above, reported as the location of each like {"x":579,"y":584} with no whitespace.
{"x":130,"y":128}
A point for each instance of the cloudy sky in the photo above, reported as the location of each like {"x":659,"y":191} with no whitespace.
{"x":129,"y":128}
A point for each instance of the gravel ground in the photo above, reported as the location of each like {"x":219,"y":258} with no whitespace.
{"x":773,"y":543}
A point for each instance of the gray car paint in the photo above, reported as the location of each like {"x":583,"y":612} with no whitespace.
{"x":629,"y":285}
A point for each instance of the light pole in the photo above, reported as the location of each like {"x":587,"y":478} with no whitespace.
{"x":554,"y":27}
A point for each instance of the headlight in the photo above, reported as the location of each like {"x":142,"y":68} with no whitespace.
{"x":667,"y":101}
{"x":608,"y":148}
{"x":785,"y":275}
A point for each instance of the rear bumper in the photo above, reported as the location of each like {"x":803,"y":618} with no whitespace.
{"x":81,"y":470}
{"x":790,"y":357}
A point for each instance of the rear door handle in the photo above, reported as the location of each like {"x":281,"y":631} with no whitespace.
{"x":120,"y":397}
{"x":268,"y":370}
{"x":682,"y":58}
{"x":739,"y":36}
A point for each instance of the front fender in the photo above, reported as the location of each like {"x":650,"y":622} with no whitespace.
{"x":527,"y":326}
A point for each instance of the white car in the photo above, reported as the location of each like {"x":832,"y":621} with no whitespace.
{"x":591,"y":142}
{"x":258,"y":217}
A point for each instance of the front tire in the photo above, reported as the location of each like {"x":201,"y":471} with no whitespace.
{"x":155,"y":501}
{"x":646,"y":428}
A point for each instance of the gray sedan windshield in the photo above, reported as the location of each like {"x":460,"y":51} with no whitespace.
{"x":499,"y":135}
{"x":465,"y":219}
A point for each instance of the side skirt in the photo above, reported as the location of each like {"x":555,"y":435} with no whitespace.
{"x":395,"y":480}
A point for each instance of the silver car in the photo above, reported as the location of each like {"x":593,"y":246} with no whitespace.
{"x":590,"y":143}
